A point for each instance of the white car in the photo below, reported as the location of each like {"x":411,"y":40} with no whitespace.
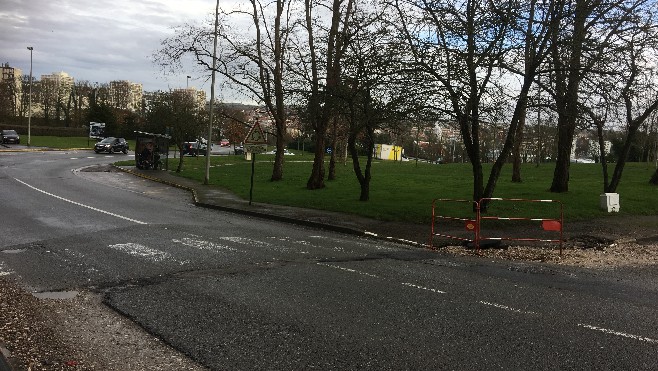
{"x":285,"y":152}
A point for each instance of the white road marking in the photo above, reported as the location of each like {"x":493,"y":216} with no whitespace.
{"x":246,"y":241}
{"x":139,"y":250}
{"x":362,"y":243}
{"x":424,"y":288}
{"x":505,"y":307}
{"x":203,"y":245}
{"x":4,"y":271}
{"x":348,"y":270}
{"x":80,"y":204}
{"x":617,"y":333}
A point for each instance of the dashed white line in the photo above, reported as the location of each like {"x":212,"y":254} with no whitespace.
{"x":505,"y":307}
{"x":80,"y":204}
{"x":618,"y":333}
{"x":348,"y":270}
{"x":203,"y":245}
{"x":424,"y":288}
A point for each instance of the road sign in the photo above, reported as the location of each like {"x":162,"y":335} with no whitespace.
{"x":255,"y":136}
{"x":255,"y":148}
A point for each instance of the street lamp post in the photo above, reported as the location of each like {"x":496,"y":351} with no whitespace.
{"x":188,"y":82}
{"x":29,"y":109}
{"x":206,"y":179}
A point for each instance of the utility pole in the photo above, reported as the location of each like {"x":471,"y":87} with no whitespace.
{"x":206,"y":180}
{"x":29,"y":109}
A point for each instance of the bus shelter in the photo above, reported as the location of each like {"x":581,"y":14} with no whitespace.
{"x":150,"y":149}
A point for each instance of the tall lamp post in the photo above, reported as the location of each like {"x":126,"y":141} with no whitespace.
{"x":29,"y":109}
{"x":206,"y":179}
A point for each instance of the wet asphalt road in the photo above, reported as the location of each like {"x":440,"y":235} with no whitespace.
{"x":242,"y":293}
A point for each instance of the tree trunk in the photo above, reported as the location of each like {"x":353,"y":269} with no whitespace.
{"x":604,"y":164}
{"x":563,"y":162}
{"x":363,"y":178}
{"x":277,"y":169}
{"x":316,"y":180}
{"x":621,"y":161}
{"x":654,"y":178}
{"x":518,"y":119}
{"x":518,"y":142}
{"x":566,"y":100}
{"x":332,"y":158}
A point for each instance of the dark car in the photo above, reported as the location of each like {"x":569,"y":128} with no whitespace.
{"x":111,"y":145}
{"x":194,"y":149}
{"x":10,"y":136}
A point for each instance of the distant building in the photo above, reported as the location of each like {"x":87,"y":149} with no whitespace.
{"x":12,"y":88}
{"x":55,"y":89}
{"x":126,"y":95}
{"x":199,"y":96}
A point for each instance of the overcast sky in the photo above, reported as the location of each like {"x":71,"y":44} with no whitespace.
{"x":99,"y":40}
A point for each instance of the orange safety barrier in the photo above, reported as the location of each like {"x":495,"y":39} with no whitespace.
{"x":547,"y":224}
{"x":470,"y":223}
{"x":554,"y":224}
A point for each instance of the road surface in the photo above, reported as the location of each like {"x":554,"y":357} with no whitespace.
{"x":233,"y":292}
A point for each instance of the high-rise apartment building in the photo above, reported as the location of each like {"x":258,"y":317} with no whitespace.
{"x":11,"y":89}
{"x":55,"y":89}
{"x":199,"y":96}
{"x":126,"y":95}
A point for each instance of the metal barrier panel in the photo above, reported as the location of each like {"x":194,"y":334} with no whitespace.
{"x":518,"y":211}
{"x":455,"y":218}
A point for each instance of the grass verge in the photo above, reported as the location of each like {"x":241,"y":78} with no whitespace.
{"x":404,"y":191}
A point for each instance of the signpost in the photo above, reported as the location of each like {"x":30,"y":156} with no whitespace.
{"x":254,"y":143}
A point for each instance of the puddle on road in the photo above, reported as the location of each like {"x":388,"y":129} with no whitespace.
{"x":14,"y":251}
{"x":57,"y":295}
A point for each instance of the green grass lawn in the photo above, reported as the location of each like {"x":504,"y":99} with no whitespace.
{"x":60,"y":142}
{"x":406,"y":190}
{"x":65,"y":142}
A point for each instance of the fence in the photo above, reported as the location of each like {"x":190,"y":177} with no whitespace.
{"x":495,"y":217}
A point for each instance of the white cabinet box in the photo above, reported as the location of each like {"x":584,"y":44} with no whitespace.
{"x":610,"y":202}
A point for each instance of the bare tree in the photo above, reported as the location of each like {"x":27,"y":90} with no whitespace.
{"x":323,"y":80}
{"x":80,"y":99}
{"x":463,"y":49}
{"x":617,"y":80}
{"x":373,"y":95}
{"x":588,"y":36}
{"x":639,"y":96}
{"x":177,"y":111}
{"x":254,"y":65}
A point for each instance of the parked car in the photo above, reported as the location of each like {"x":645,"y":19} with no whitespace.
{"x":285,"y":152}
{"x":111,"y":145}
{"x":190,"y":148}
{"x":224,"y":143}
{"x":10,"y":136}
{"x":239,"y":150}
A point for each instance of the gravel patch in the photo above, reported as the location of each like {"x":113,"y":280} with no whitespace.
{"x":80,"y":333}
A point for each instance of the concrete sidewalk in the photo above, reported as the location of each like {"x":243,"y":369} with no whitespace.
{"x":215,"y":198}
